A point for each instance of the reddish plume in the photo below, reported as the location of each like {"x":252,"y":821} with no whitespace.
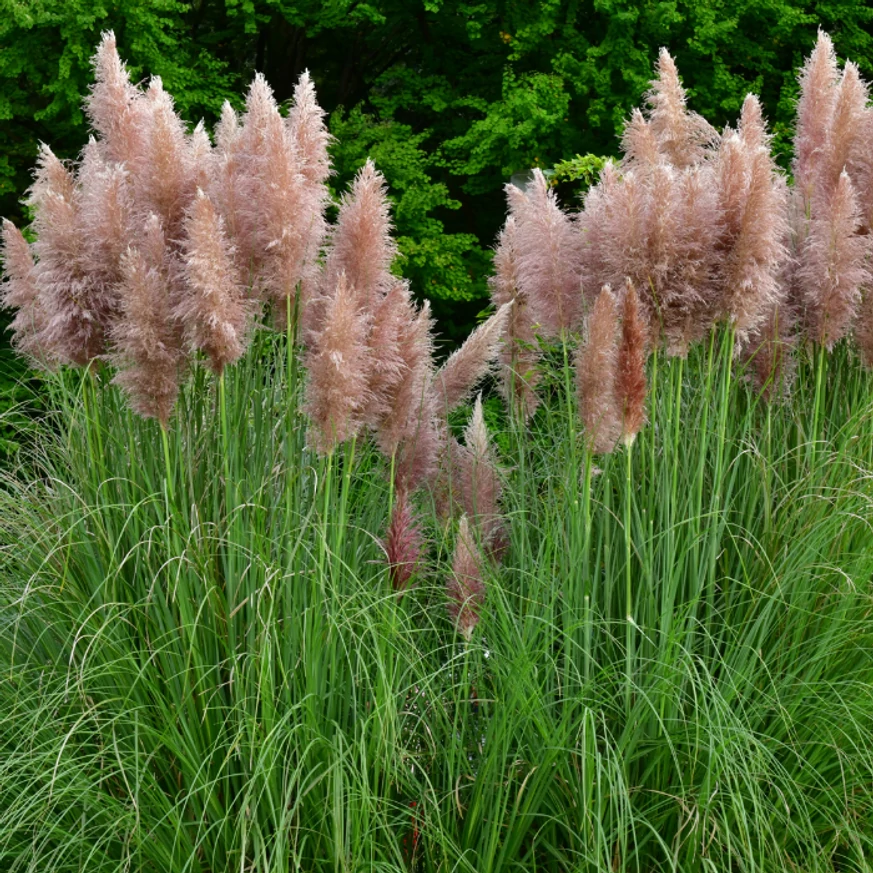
{"x":403,"y":543}
{"x":596,"y":371}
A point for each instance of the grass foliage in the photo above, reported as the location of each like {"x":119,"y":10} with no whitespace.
{"x":203,"y":666}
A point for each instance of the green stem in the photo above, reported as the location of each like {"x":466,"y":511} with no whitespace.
{"x":628,"y":550}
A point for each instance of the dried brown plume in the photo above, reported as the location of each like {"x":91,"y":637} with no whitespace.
{"x":20,"y":292}
{"x":596,"y":372}
{"x":630,"y":382}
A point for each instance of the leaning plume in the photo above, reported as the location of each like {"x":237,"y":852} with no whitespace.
{"x":631,"y":376}
{"x":466,"y":587}
{"x":467,"y":366}
{"x":846,"y":134}
{"x":548,"y":257}
{"x":20,"y":292}
{"x":147,"y":348}
{"x":832,"y":268}
{"x":596,"y":369}
{"x":338,"y":362}
{"x":212,"y":309}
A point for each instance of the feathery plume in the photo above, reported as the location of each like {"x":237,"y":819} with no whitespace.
{"x":518,"y":354}
{"x":20,"y":291}
{"x":77,"y":313}
{"x":682,"y":136}
{"x":832,"y":267}
{"x":597,"y":226}
{"x":753,"y":199}
{"x":688,"y":291}
{"x":114,"y":106}
{"x":280,"y":207}
{"x":403,"y":543}
{"x":845,"y":134}
{"x":360,"y":244}
{"x":638,"y":143}
{"x":338,"y":362}
{"x":631,"y":376}
{"x":393,"y":320}
{"x":228,"y":190}
{"x":469,"y":364}
{"x":147,"y":347}
{"x":213,"y":310}
{"x":547,"y":251}
{"x":596,"y":371}
{"x":308,"y":132}
{"x":106,"y":215}
{"x":480,"y":480}
{"x":752,"y":128}
{"x":466,"y":587}
{"x":815,"y":111}
{"x":161,"y":176}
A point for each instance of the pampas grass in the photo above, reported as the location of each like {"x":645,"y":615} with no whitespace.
{"x":319,"y":614}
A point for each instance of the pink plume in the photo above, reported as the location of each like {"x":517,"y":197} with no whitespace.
{"x":682,"y":136}
{"x":338,"y":362}
{"x":815,"y":112}
{"x":360,"y":245}
{"x":832,"y":267}
{"x":147,"y":348}
{"x":548,"y":257}
{"x":20,"y":291}
{"x":212,"y":309}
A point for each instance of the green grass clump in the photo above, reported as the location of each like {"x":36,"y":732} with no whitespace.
{"x":203,"y":666}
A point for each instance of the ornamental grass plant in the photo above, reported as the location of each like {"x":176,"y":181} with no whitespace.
{"x":279,"y":592}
